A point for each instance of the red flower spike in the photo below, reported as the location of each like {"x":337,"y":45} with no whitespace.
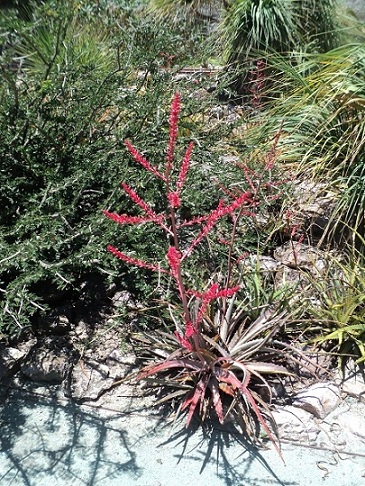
{"x":183,"y":341}
{"x":174,"y":199}
{"x":138,"y":157}
{"x":212,"y":294}
{"x":174,"y":259}
{"x":189,"y":330}
{"x":184,"y":338}
{"x":271,"y":157}
{"x":184,"y":168}
{"x":215,"y":215}
{"x":125,"y":219}
{"x":142,"y":204}
{"x":134,"y":261}
{"x":192,"y":221}
{"x":173,"y":123}
{"x":242,"y":257}
{"x":228,"y":192}
{"x":211,"y":220}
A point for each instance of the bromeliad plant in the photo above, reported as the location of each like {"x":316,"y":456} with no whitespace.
{"x":340,"y":309}
{"x":217,"y":358}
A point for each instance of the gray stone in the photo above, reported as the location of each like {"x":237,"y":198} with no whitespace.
{"x":82,"y":331}
{"x":88,"y":381}
{"x":123,"y":298}
{"x":295,"y":424}
{"x":57,"y":321}
{"x":319,"y":399}
{"x":298,"y":255}
{"x":265,"y":264}
{"x":290,"y":277}
{"x":26,"y":346}
{"x":313,"y":208}
{"x":48,"y":361}
{"x":10,"y":359}
{"x":358,"y":7}
{"x":314,"y":199}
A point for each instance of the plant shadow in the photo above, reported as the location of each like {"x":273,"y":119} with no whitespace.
{"x":46,"y":440}
{"x":234,"y":455}
{"x":43,"y":437}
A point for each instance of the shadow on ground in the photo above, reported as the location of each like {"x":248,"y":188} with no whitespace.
{"x":44,"y":441}
{"x":214,"y":450}
{"x":48,"y":441}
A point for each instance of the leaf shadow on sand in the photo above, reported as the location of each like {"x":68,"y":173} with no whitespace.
{"x":44,"y":437}
{"x":235,"y":456}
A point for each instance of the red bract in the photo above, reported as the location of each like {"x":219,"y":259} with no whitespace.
{"x":141,"y":160}
{"x":184,"y":168}
{"x":134,"y":261}
{"x":174,"y":118}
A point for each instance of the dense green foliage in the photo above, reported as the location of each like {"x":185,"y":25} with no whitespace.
{"x":254,"y":28}
{"x":68,"y":102}
{"x":321,"y":112}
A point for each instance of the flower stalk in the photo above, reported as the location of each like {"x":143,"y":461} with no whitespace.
{"x":215,"y":362}
{"x":174,"y":256}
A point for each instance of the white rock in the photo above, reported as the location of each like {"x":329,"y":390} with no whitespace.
{"x":353,"y":423}
{"x":354,"y":387}
{"x":352,"y":381}
{"x":89,"y":380}
{"x":295,"y":424}
{"x":319,"y":399}
{"x":10,"y":359}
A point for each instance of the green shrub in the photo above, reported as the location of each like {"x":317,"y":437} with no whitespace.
{"x":321,"y":112}
{"x":254,"y":28}
{"x":63,"y":120}
{"x":337,"y":316}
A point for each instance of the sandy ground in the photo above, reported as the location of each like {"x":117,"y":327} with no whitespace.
{"x":48,"y":441}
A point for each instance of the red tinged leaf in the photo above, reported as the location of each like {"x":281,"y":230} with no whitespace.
{"x":195,"y":397}
{"x":167,"y":365}
{"x":261,"y":419}
{"x":228,"y":377}
{"x":216,"y":398}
